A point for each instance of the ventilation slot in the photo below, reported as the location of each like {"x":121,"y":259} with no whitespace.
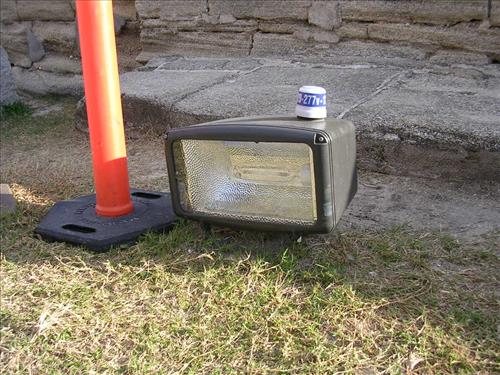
{"x":140,"y":194}
{"x":78,"y":228}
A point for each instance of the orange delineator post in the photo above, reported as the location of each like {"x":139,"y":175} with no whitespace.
{"x":104,"y":110}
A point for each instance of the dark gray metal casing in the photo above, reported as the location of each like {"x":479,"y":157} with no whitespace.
{"x":333,"y":144}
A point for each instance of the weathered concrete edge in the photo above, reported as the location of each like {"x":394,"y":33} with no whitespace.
{"x":426,"y":158}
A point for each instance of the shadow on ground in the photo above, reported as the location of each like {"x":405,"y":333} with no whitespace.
{"x":377,"y":301}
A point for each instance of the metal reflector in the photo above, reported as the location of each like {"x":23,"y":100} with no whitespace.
{"x":269,"y":182}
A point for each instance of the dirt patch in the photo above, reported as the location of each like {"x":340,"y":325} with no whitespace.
{"x":128,"y":46}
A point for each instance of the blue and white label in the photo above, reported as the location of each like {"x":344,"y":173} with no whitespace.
{"x":311,"y":100}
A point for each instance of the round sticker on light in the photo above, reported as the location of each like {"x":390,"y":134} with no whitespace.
{"x":311,"y":102}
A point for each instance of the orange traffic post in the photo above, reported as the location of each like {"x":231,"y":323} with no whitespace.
{"x":104,"y":110}
{"x":115,"y":214}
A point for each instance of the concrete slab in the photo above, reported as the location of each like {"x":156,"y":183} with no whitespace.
{"x":148,"y":96}
{"x":239,"y":64}
{"x":431,"y":121}
{"x":44,"y":83}
{"x":273,"y":90}
{"x":444,"y":107}
{"x":166,"y":86}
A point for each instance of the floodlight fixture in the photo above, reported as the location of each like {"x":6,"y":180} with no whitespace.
{"x":293,"y":174}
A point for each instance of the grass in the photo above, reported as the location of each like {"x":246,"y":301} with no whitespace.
{"x":17,"y":120}
{"x":218,"y":301}
{"x":14,"y":110}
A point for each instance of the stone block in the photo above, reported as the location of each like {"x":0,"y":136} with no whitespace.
{"x":325,"y":37}
{"x":262,"y":9}
{"x":325,"y":14}
{"x":43,"y":83}
{"x":203,"y":24}
{"x":45,"y":10}
{"x":451,"y":57}
{"x":221,"y":19}
{"x":58,"y":63}
{"x":125,"y":9}
{"x":56,"y":36}
{"x":182,"y":9}
{"x":14,"y":39}
{"x":318,"y":36}
{"x":363,"y":54}
{"x":265,"y":44}
{"x":484,"y":25}
{"x":237,"y":26}
{"x":462,"y":36}
{"x":35,"y":47}
{"x":196,"y":43}
{"x":441,"y":12}
{"x":211,"y":19}
{"x":148,"y":8}
{"x":495,"y":13}
{"x":353,"y":30}
{"x":8,"y":93}
{"x":8,"y":12}
{"x":280,"y":26}
{"x":227,"y":18}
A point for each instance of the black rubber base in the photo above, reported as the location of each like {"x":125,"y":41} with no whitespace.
{"x":75,"y":221}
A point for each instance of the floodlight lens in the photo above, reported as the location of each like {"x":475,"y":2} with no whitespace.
{"x":269,"y":182}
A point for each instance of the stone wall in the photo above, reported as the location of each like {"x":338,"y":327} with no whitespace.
{"x":40,"y":36}
{"x":298,"y":27}
{"x":41,"y":40}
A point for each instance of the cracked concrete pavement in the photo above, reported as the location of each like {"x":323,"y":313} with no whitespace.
{"x":429,"y":136}
{"x":430,"y":121}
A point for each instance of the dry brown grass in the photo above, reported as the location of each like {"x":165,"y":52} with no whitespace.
{"x":197,"y":301}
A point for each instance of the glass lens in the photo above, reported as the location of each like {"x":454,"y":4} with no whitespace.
{"x":264,"y":182}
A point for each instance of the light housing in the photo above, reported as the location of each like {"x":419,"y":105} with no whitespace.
{"x":263,"y":173}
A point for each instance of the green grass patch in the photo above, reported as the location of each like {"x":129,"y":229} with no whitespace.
{"x":17,"y":122}
{"x":14,"y":110}
{"x":216,"y":301}
{"x":201,"y":301}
